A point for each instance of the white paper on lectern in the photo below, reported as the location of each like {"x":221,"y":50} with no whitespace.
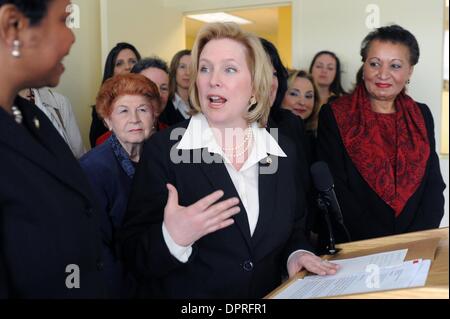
{"x":422,"y":274}
{"x":408,"y":274}
{"x":359,"y":264}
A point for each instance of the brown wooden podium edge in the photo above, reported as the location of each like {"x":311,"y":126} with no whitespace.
{"x":441,"y":292}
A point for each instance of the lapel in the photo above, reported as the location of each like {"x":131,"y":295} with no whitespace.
{"x":267,"y":186}
{"x":218,"y":176}
{"x":42,"y":145}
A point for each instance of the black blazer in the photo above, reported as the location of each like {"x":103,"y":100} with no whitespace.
{"x":111,"y":187}
{"x":293,"y":127}
{"x":225,"y":264}
{"x":47,"y":213}
{"x":170,"y":116}
{"x":366,"y":215}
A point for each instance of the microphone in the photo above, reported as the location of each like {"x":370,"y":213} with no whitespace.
{"x":327,"y":201}
{"x":323,"y":181}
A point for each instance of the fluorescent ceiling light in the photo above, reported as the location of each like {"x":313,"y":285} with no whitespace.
{"x":218,"y":17}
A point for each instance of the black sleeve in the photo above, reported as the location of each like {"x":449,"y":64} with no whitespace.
{"x":306,"y":158}
{"x":141,"y":240}
{"x":431,"y":207}
{"x":299,"y":238}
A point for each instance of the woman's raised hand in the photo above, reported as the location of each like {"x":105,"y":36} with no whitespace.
{"x":188,"y":224}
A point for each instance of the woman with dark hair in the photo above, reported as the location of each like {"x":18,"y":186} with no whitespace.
{"x":178,"y":106}
{"x":287,"y":123}
{"x":127,"y":103}
{"x":380,"y":146}
{"x":50,"y":243}
{"x":279,"y":118}
{"x":121,"y":59}
{"x":280,"y":76}
{"x":326,"y":71}
{"x":156,"y":70}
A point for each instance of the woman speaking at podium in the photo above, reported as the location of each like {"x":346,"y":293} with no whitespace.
{"x":380,"y":146}
{"x":228,"y":222}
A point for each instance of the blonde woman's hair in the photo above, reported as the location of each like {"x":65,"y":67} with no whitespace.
{"x":312,"y":121}
{"x":257,"y":60}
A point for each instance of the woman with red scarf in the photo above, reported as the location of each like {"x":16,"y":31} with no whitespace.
{"x":380,"y":146}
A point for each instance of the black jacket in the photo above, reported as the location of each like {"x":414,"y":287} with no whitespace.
{"x":366,"y":215}
{"x":170,"y":116}
{"x":228,"y":263}
{"x":47,"y":213}
{"x":293,"y":127}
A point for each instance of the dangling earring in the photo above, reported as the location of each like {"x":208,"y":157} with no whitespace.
{"x":16,"y":49}
{"x":407,"y":82}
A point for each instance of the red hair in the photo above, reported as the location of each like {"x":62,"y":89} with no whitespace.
{"x":125,"y":84}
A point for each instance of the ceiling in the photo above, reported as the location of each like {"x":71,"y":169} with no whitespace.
{"x":265,"y":21}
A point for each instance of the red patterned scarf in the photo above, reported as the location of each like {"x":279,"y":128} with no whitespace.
{"x":392,"y":164}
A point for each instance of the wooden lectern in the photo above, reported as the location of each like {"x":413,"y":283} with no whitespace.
{"x":429,"y":244}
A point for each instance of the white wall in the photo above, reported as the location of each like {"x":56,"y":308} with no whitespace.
{"x":205,"y":5}
{"x":149,"y":25}
{"x":82,"y":77}
{"x":340,"y":27}
{"x":153,"y":28}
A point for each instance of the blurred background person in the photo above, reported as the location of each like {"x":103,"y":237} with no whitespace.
{"x":120,"y":59}
{"x":178,"y":238}
{"x":380,"y":146}
{"x":59,"y":110}
{"x":280,"y":118}
{"x":301,"y":99}
{"x":288,"y":124}
{"x":178,"y":106}
{"x":50,"y":243}
{"x":127,"y":103}
{"x":325,"y":69}
{"x":157,"y":71}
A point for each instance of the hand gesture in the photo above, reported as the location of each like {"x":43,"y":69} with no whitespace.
{"x":188,"y":224}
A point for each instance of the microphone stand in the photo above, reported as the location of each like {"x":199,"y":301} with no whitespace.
{"x":323,"y":204}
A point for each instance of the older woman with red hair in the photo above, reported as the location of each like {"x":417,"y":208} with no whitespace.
{"x":127,"y":103}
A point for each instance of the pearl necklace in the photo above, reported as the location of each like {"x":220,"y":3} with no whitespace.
{"x":241,"y":149}
{"x":17,"y":114}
